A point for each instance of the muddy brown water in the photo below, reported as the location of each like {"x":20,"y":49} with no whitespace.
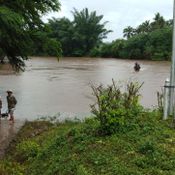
{"x":49,"y":87}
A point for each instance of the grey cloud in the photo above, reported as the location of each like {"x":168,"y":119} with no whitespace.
{"x":119,"y":13}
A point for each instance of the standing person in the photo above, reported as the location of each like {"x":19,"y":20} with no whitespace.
{"x":0,"y":106}
{"x":11,"y":102}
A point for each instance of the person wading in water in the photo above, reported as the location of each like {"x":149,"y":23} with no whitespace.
{"x":137,"y":67}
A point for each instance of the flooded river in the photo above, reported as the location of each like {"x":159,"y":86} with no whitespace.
{"x":48,"y":87}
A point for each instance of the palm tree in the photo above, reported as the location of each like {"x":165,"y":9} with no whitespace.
{"x":144,"y":27}
{"x":89,"y":29}
{"x":128,"y":32}
{"x":158,"y":22}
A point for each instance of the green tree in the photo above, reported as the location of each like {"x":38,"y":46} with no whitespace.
{"x":117,"y":48}
{"x":134,"y":47}
{"x":89,"y":31}
{"x":159,"y":22}
{"x":145,"y":27}
{"x":43,"y":44}
{"x":63,"y":31}
{"x":17,"y":18}
{"x":128,"y":32}
{"x":80,"y":36}
{"x":159,"y":45}
{"x":106,"y":50}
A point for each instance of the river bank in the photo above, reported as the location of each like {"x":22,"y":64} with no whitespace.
{"x":6,"y":69}
{"x":8,"y":131}
{"x":77,"y":148}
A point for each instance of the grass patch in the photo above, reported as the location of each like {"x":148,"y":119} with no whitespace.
{"x":78,"y":149}
{"x":122,"y":139}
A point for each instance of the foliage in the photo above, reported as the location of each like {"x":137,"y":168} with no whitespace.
{"x":13,"y":36}
{"x":77,"y":148}
{"x":26,"y":150}
{"x":104,"y":50}
{"x":89,"y":30}
{"x":63,"y":31}
{"x":80,"y":36}
{"x":117,"y":48}
{"x":128,"y":32}
{"x":115,"y":109}
{"x":22,"y":33}
{"x":149,"y":40}
{"x":114,"y":49}
{"x":134,"y":47}
{"x":7,"y":167}
{"x":160,"y":42}
{"x":84,"y":37}
{"x":43,"y":44}
{"x":17,"y":20}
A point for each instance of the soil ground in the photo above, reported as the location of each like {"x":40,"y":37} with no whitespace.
{"x":7,"y":132}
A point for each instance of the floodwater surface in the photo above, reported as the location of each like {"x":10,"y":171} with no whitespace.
{"x":49,"y":87}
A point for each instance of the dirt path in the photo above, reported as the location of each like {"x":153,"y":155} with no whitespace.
{"x":7,"y":133}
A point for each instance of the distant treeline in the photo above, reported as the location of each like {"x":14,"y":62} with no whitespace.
{"x":77,"y":38}
{"x":150,"y":40}
{"x":23,"y":33}
{"x":83,"y":36}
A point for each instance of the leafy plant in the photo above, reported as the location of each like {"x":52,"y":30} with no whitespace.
{"x":8,"y":168}
{"x":147,"y":147}
{"x":115,"y":108}
{"x":27,"y":149}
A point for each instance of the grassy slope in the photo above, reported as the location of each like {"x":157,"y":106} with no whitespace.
{"x":77,"y":149}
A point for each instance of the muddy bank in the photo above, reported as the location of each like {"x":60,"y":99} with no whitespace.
{"x":6,"y":69}
{"x":7,"y":133}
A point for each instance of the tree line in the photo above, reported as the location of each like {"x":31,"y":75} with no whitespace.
{"x":84,"y":37}
{"x":149,"y":40}
{"x":23,"y":33}
{"x":79,"y":36}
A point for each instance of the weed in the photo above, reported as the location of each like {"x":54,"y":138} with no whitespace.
{"x":114,"y":109}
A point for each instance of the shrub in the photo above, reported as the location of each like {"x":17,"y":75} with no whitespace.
{"x":147,"y":147}
{"x":26,"y":150}
{"x":114,"y":109}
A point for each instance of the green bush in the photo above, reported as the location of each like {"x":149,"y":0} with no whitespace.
{"x":27,"y":149}
{"x":147,"y":147}
{"x":7,"y":167}
{"x":115,"y":109}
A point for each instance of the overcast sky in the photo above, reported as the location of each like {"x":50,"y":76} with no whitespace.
{"x":118,"y":13}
